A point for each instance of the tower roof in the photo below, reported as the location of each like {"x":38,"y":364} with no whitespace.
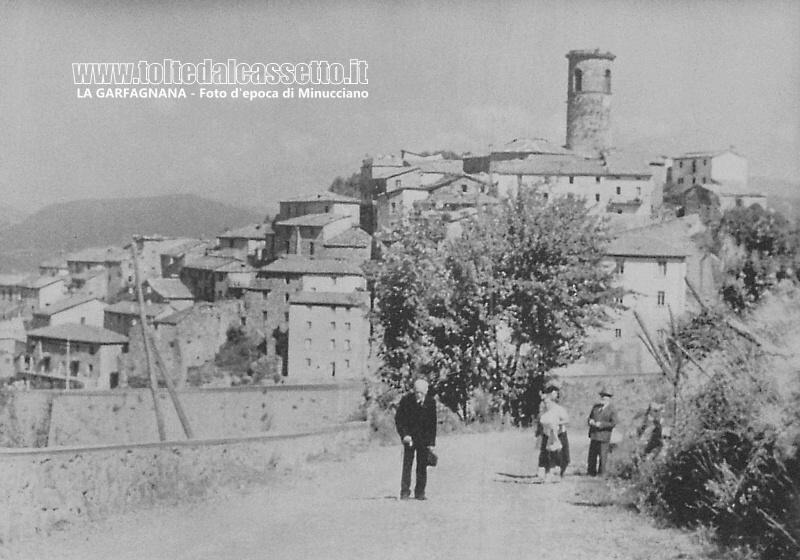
{"x":586,"y":53}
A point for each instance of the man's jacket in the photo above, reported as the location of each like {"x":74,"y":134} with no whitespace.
{"x":417,"y":421}
{"x":607,"y":419}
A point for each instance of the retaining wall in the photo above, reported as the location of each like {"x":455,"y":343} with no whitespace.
{"x":42,"y":489}
{"x":125,"y":416}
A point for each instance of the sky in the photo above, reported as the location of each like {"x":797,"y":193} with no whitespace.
{"x":461,"y":76}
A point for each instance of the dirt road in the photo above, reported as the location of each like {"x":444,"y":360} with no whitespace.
{"x":483,"y":504}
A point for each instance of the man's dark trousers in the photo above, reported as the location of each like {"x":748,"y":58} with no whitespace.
{"x":422,"y":470}
{"x":598,"y":450}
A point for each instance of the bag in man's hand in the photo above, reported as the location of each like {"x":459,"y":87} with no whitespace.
{"x":433,"y":459}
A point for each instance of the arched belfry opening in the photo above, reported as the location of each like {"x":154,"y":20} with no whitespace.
{"x":578,"y":80}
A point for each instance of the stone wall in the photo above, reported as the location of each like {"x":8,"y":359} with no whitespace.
{"x":45,"y":489}
{"x":127,"y":416}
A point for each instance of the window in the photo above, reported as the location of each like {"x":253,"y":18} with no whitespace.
{"x":308,"y":362}
{"x":265,"y":315}
{"x":597,"y":197}
{"x":704,"y":180}
{"x":694,"y":180}
{"x":661,"y":298}
{"x":347,"y":326}
{"x":638,"y":191}
{"x":308,"y":325}
{"x":333,"y":325}
{"x":286,"y":297}
{"x":463,"y":188}
{"x":620,"y":266}
{"x":597,"y":179}
{"x":394,"y":207}
{"x":286,"y":280}
{"x":608,"y":81}
{"x":327,"y":209}
{"x":680,"y":181}
{"x":333,"y":369}
{"x":332,"y":344}
{"x":265,"y":294}
{"x":396,"y":185}
{"x":307,"y":344}
{"x":286,"y":316}
{"x":571,"y":180}
{"x":694,"y":166}
{"x":619,"y":190}
{"x":347,"y":345}
{"x":347,"y":364}
{"x":578,"y":79}
{"x":546,"y":196}
{"x":617,"y":333}
{"x":311,"y":249}
{"x":662,"y":267}
{"x":619,"y":299}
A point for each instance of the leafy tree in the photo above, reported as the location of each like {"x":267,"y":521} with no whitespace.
{"x":496,"y":308}
{"x":768,"y":253}
{"x":347,"y":187}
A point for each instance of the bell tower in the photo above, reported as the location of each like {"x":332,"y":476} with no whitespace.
{"x":589,"y":101}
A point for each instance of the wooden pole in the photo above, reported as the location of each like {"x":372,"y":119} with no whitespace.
{"x":143,"y":318}
{"x":187,"y":429}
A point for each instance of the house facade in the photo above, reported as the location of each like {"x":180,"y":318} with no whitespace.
{"x":84,"y":310}
{"x":81,"y":355}
{"x":328,"y":336}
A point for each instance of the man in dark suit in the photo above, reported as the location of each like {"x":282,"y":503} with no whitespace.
{"x":602,"y":420}
{"x":416,"y":424}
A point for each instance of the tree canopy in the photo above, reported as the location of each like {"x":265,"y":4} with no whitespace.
{"x":496,"y":308}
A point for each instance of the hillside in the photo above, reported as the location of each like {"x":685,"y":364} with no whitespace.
{"x":782,"y":195}
{"x":78,"y":224}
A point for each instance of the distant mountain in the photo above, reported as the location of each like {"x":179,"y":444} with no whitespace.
{"x":11,"y":216}
{"x":70,"y":226}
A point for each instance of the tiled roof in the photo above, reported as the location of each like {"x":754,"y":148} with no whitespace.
{"x":38,"y":282}
{"x":384,"y":160}
{"x":532,"y":146}
{"x":708,"y":153}
{"x":550,"y":164}
{"x":260,"y":285}
{"x":203,"y":262}
{"x":175,"y":318}
{"x":132,"y":308}
{"x":389,"y":172}
{"x":90,"y":273}
{"x":64,"y":304}
{"x":441,"y":166}
{"x":452,"y":178}
{"x":354,"y":237}
{"x":170,"y":288}
{"x":75,"y":332}
{"x":304,"y":265}
{"x":643,"y":243}
{"x":228,"y":253}
{"x":252,"y":231}
{"x":55,"y":262}
{"x":99,"y":255}
{"x":478,"y":199}
{"x":313,"y":220}
{"x":347,"y":299}
{"x":324,"y":196}
{"x":183,"y":247}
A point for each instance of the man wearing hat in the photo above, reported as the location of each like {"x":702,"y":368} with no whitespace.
{"x":416,"y":424}
{"x":602,"y":420}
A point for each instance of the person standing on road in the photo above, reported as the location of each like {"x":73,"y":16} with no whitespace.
{"x":602,"y":420}
{"x":416,"y":423}
{"x":554,"y":449}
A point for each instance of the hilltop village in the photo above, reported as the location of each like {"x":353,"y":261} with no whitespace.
{"x":296,"y":282}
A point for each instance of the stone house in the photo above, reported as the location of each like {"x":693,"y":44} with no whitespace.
{"x":167,"y":290}
{"x":91,"y":282}
{"x":651,"y":270}
{"x":57,"y":266}
{"x":256,"y":241}
{"x":173,"y":257}
{"x":116,"y":260}
{"x":149,"y":249}
{"x":84,"y":310}
{"x":699,"y":168}
{"x":211,"y":278}
{"x":122,"y":316}
{"x":354,"y":245}
{"x":186,"y":339}
{"x":40,"y":291}
{"x":328,"y":336}
{"x":307,"y":234}
{"x":70,"y":351}
{"x":12,"y":345}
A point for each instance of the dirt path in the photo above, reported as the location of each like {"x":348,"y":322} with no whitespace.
{"x":347,"y":509}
